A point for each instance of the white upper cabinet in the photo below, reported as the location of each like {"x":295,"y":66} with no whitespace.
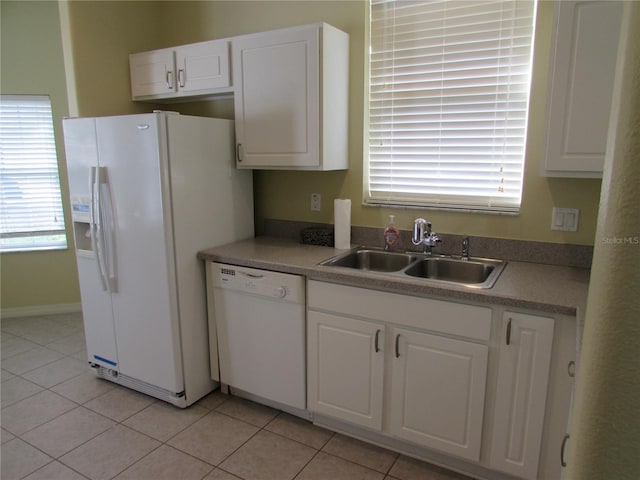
{"x":185,"y":71}
{"x":291,"y":98}
{"x":581,"y":77}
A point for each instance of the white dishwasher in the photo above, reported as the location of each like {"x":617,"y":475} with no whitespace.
{"x":259,"y":316}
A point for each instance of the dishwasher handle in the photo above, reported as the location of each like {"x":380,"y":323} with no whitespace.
{"x":252,"y":275}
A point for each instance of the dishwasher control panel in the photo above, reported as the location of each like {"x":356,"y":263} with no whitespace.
{"x":264,"y":283}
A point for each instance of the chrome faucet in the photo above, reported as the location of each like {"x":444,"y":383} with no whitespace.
{"x":465,"y":249}
{"x":423,"y":235}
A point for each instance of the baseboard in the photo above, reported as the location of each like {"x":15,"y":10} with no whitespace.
{"x":40,"y":310}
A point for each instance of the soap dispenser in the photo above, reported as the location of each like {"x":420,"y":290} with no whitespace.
{"x":391,"y":235}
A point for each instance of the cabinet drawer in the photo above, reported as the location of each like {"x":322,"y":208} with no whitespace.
{"x":424,"y":313}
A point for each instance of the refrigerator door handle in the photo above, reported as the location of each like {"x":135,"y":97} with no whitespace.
{"x":96,"y":224}
{"x":108,"y":228}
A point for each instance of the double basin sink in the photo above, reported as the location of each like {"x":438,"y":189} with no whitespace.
{"x":472,"y":272}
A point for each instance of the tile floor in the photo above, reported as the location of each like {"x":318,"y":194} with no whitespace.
{"x":61,"y":422}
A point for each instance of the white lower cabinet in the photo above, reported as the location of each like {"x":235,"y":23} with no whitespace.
{"x":455,"y":381}
{"x":346,"y":365}
{"x":521,"y":393}
{"x":438,"y":391}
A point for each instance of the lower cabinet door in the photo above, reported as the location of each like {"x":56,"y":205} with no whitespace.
{"x":523,"y":376}
{"x":345,"y":365}
{"x":438,"y":390}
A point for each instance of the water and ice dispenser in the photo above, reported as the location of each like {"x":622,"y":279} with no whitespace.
{"x":81,"y":215}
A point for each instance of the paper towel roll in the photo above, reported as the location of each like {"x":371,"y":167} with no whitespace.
{"x":342,"y":222}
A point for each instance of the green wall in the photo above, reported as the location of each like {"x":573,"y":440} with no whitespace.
{"x":31,"y":55}
{"x":97,"y":37}
{"x":286,"y":195}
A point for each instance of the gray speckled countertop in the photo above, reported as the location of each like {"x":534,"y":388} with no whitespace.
{"x":543,"y":288}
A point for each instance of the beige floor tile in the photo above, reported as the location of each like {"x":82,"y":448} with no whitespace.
{"x":267,"y":456}
{"x":109,"y":453}
{"x":68,"y":431}
{"x":56,"y":372}
{"x":29,"y":360}
{"x":212,"y":400}
{"x":300,"y":430}
{"x":24,"y":325}
{"x":83,"y":388}
{"x":72,"y":319}
{"x":7,"y":436}
{"x":407,"y":468}
{"x":213,"y":438}
{"x":34,"y":411}
{"x":218,"y":474}
{"x":166,"y":463}
{"x":324,"y":467}
{"x":120,"y":403}
{"x":20,"y":459}
{"x":6,"y":375}
{"x":250,"y":412}
{"x":81,"y":355}
{"x":55,"y":471}
{"x":12,"y":345}
{"x":68,"y":345}
{"x":18,"y":389}
{"x":40,"y":330}
{"x":361,"y":453}
{"x":162,"y":420}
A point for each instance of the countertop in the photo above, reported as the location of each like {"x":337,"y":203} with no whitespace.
{"x":543,"y":288}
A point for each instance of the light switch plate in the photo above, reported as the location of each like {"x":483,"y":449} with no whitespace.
{"x":565,"y":219}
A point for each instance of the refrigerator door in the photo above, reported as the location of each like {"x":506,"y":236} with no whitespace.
{"x":132,"y":150}
{"x":82,"y":161}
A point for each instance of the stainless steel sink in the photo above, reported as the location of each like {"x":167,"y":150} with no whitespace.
{"x":470,"y":272}
{"x":369,"y":259}
{"x":474,"y":272}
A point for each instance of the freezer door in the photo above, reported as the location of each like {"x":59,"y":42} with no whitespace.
{"x":82,"y":160}
{"x":132,"y":150}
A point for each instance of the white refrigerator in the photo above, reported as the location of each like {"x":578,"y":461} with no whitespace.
{"x":147,"y":193}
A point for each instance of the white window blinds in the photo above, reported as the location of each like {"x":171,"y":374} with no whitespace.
{"x":449,"y":92}
{"x":31,"y":216}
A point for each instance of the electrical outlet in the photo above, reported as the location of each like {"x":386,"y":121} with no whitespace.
{"x":565,"y":219}
{"x":316,"y":202}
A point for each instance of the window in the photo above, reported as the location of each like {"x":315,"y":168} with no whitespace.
{"x":31,"y":216}
{"x":448,"y":102}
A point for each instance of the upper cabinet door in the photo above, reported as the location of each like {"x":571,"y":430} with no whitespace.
{"x":203,"y":66}
{"x":277,"y":98}
{"x":152,"y":73}
{"x":581,"y":78}
{"x":291,"y":98}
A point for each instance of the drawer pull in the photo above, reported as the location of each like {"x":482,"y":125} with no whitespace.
{"x":377,"y":348}
{"x":509,"y":332}
{"x":398,"y":346}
